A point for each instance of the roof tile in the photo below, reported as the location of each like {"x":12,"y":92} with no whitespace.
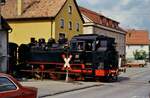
{"x":32,"y":8}
{"x":100,"y":19}
{"x":137,"y":37}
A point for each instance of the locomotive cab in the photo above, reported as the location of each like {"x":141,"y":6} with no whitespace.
{"x":97,"y":54}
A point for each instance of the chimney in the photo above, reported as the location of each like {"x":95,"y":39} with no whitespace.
{"x":19,"y":7}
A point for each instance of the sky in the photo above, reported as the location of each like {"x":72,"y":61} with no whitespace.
{"x":133,"y":14}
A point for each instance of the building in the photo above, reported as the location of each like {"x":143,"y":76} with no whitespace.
{"x":96,"y":23}
{"x":136,"y":40}
{"x":4,"y":30}
{"x":42,"y":19}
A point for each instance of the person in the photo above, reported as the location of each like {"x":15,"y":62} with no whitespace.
{"x":79,"y":47}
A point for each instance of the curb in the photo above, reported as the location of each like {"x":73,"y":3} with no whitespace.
{"x":71,"y":90}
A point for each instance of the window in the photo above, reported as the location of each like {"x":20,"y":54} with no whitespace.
{"x":107,"y":22}
{"x":115,"y":25}
{"x":104,"y":21}
{"x":100,"y":19}
{"x":89,"y":46}
{"x":101,"y":45}
{"x":70,"y":9}
{"x":62,"y":23}
{"x":142,"y":46}
{"x":129,"y":46}
{"x":80,"y":46}
{"x":70,"y":25}
{"x":77,"y":26}
{"x":110,"y":23}
{"x":129,"y":34}
{"x":61,"y":36}
{"x":74,"y":46}
{"x":6,"y":84}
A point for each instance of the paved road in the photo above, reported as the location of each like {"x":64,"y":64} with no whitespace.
{"x":133,"y":84}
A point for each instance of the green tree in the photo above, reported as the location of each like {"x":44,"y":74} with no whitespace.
{"x":139,"y":55}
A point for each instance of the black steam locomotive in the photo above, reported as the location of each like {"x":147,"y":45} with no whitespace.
{"x":85,"y":56}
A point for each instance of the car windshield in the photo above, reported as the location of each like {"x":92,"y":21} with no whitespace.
{"x":6,"y":84}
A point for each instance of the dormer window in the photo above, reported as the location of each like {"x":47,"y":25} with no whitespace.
{"x":116,"y":25}
{"x":110,"y":23}
{"x":113,"y":25}
{"x":129,"y":34}
{"x":62,"y":23}
{"x":100,"y":20}
{"x":107,"y":22}
{"x":104,"y":21}
{"x":70,"y":9}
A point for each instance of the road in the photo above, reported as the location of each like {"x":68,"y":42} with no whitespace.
{"x":133,"y":84}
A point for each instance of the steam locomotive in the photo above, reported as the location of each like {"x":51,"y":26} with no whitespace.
{"x":85,"y":56}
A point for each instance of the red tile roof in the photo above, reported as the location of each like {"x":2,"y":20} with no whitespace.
{"x":95,"y":17}
{"x":137,"y":37}
{"x":32,"y":8}
{"x":100,"y":19}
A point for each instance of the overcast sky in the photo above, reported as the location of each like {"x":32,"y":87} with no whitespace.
{"x":130,"y":13}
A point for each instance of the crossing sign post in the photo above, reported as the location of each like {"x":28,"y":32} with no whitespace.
{"x":67,"y":66}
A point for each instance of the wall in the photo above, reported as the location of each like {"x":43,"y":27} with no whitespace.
{"x":88,"y":30}
{"x":74,"y":17}
{"x":23,"y":30}
{"x":91,"y":28}
{"x":119,"y":38}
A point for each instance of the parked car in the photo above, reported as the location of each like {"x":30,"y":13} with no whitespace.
{"x":134,"y":63}
{"x":11,"y":88}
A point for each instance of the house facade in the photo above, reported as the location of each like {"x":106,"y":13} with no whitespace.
{"x":136,"y":40}
{"x":42,"y":19}
{"x":4,"y":30}
{"x":96,"y":23}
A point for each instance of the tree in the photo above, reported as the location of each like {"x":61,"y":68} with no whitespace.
{"x":140,"y":55}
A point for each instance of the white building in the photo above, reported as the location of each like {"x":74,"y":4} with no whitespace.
{"x":96,"y":23}
{"x":4,"y":29}
{"x":136,"y":40}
